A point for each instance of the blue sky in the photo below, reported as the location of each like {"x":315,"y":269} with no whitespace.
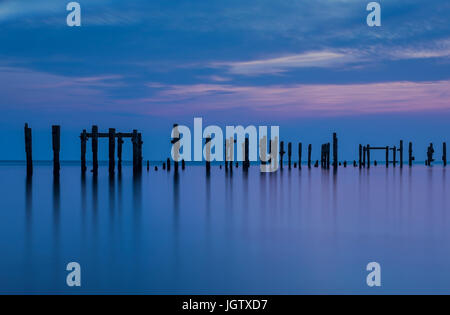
{"x":312,"y":67}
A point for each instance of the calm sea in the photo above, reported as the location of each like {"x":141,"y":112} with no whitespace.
{"x":291,"y":232}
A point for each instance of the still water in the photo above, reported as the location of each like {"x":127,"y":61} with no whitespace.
{"x":291,"y":232}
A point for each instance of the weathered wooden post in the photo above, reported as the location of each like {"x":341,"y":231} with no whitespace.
{"x":94,"y":150}
{"x":444,"y":153}
{"x":410,"y":153}
{"x":360,"y":155}
{"x":387,"y":156}
{"x":28,"y":150}
{"x":282,"y":152}
{"x":208,"y":153}
{"x":119,"y":152}
{"x":168,"y":164}
{"x":345,"y":163}
{"x":140,"y":157}
{"x":299,"y":155}
{"x":227,"y":141}
{"x":368,"y":155}
{"x":395,"y":156}
{"x":148,"y":165}
{"x":322,"y":156}
{"x":83,"y":138}
{"x":309,"y":155}
{"x":364,"y":156}
{"x":289,"y":154}
{"x":430,"y":153}
{"x":328,"y":151}
{"x":56,"y":141}
{"x":246,"y":154}
{"x":112,"y":150}
{"x":134,"y":141}
{"x":401,"y":153}
{"x":176,"y":146}
{"x":335,"y":150}
{"x":183,"y":164}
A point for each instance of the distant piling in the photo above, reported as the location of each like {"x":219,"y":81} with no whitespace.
{"x":282,"y":152}
{"x":208,"y":153}
{"x":387,"y":157}
{"x":444,"y":154}
{"x":394,"y":157}
{"x":119,"y":153}
{"x":83,"y":138}
{"x":335,"y":150}
{"x":56,"y":144}
{"x":168,"y":164}
{"x":94,"y":150}
{"x":289,"y":154}
{"x":112,"y":150}
{"x":360,"y":155}
{"x":174,"y":141}
{"x":368,"y":155}
{"x":148,"y":165}
{"x":410,"y":154}
{"x":430,"y":152}
{"x":246,"y":154}
{"x":309,"y":155}
{"x":401,"y":154}
{"x":299,"y":155}
{"x":183,"y":164}
{"x":28,"y":150}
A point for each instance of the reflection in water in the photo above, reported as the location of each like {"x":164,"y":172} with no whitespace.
{"x":56,"y":225}
{"x":29,"y":205}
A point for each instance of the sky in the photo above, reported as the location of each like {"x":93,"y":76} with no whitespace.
{"x":312,"y":67}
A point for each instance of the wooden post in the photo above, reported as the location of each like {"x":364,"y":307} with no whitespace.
{"x":148,"y":165}
{"x":387,"y":156}
{"x":95,"y":150}
{"x":328,"y":147}
{"x":56,"y":141}
{"x":112,"y":150}
{"x":395,"y":156}
{"x":208,"y":153}
{"x":335,"y":151}
{"x":134,"y":141}
{"x":183,"y":164}
{"x":28,"y":150}
{"x":401,"y":153}
{"x":174,"y":141}
{"x":299,"y":155}
{"x":168,"y":164}
{"x":444,"y":153}
{"x":140,"y":157}
{"x":430,"y":153}
{"x":368,"y":155}
{"x":322,"y":156}
{"x":309,"y":155}
{"x":364,"y":156}
{"x":282,"y":152}
{"x":410,"y":153}
{"x":119,"y":153}
{"x":360,"y":155}
{"x":246,"y":154}
{"x":83,"y":138}
{"x":289,"y":154}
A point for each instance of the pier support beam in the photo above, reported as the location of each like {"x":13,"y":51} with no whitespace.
{"x":309,"y":155}
{"x":289,"y":154}
{"x":28,"y":150}
{"x":119,"y":153}
{"x":335,"y":150}
{"x":401,"y":154}
{"x":444,"y":154}
{"x":282,"y":152}
{"x":410,"y":153}
{"x":56,"y":143}
{"x":83,"y":138}
{"x":300,"y":156}
{"x":368,"y":155}
{"x":95,"y":150}
{"x":112,"y":150}
{"x":208,"y":153}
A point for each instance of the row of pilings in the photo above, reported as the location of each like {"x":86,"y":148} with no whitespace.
{"x":393,"y":155}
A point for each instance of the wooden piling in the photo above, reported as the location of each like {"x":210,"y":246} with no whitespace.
{"x":299,"y":155}
{"x":183,"y":164}
{"x":401,"y":154}
{"x":289,"y":154}
{"x":444,"y":154}
{"x":95,"y":150}
{"x":112,"y":150}
{"x":56,"y":143}
{"x":148,"y":165}
{"x":282,"y":152}
{"x":394,"y":161}
{"x":83,"y":138}
{"x":175,"y":140}
{"x":139,"y":147}
{"x":387,"y":156}
{"x":208,"y":153}
{"x":168,"y":164}
{"x":119,"y":153}
{"x":134,"y":140}
{"x":410,"y":154}
{"x":364,"y":156}
{"x":328,"y":153}
{"x":335,"y":150}
{"x":246,"y":154}
{"x":28,"y":150}
{"x":360,"y":155}
{"x":322,"y":156}
{"x":309,"y":155}
{"x":368,"y":155}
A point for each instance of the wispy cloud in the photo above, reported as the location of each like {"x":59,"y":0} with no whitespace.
{"x":299,"y":100}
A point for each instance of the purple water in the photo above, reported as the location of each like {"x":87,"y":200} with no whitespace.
{"x":291,"y":232}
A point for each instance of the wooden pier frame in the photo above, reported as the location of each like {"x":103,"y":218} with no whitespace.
{"x":112,"y":150}
{"x":299,"y":155}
